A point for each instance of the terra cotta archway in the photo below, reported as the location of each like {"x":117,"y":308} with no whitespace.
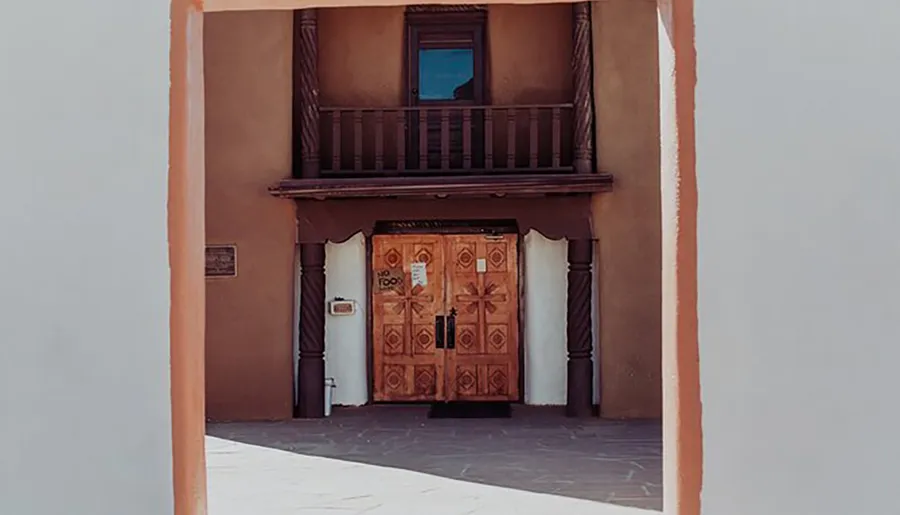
{"x":682,"y":432}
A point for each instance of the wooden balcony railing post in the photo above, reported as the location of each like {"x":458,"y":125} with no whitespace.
{"x":510,"y":138}
{"x":357,"y":140}
{"x":557,"y":133}
{"x":533,"y":137}
{"x":467,"y":138}
{"x":335,"y":140}
{"x":581,"y":72}
{"x":379,"y":141}
{"x":445,"y":139}
{"x":488,"y":138}
{"x":401,"y":140}
{"x":306,"y":96}
{"x":423,"y":139}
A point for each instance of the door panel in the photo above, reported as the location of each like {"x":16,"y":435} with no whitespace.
{"x":407,"y":364}
{"x":482,"y":286}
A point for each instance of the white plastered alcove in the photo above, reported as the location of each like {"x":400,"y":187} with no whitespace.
{"x":544,"y":326}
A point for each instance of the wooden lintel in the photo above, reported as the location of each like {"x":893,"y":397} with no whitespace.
{"x":506,"y":185}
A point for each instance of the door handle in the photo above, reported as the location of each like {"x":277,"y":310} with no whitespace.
{"x":439,"y":331}
{"x":451,"y":329}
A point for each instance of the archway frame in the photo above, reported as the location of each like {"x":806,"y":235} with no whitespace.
{"x":682,"y":433}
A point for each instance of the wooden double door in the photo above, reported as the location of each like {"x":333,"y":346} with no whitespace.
{"x":445,"y":317}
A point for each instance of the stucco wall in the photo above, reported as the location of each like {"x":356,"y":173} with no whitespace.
{"x":626,"y":99}
{"x":361,"y":49}
{"x":798,"y":253}
{"x":530,"y":53}
{"x":345,"y":336}
{"x":85,"y":411}
{"x":248,"y":148}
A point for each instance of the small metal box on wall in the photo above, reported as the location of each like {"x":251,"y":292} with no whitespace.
{"x":341,"y":307}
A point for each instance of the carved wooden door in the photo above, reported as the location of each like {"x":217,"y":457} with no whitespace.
{"x":482,"y":289}
{"x":407,"y":364}
{"x":445,"y":318}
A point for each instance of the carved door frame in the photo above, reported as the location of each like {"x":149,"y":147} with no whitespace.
{"x":448,"y":228}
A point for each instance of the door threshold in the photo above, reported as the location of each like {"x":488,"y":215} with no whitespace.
{"x":470,"y":410}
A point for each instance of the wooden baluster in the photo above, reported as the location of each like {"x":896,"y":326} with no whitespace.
{"x":401,"y":141}
{"x":488,"y":138}
{"x":379,"y":140}
{"x":467,"y":138}
{"x":557,"y":133}
{"x":357,"y":140}
{"x":335,"y":141}
{"x":533,"y":143}
{"x":510,"y":138}
{"x":423,"y":139}
{"x":445,"y":139}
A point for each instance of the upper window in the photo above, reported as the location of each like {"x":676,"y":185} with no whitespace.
{"x":446,"y":74}
{"x":446,"y":60}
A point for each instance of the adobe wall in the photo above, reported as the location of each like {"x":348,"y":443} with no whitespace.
{"x":628,"y":221}
{"x":529,"y":52}
{"x":248,"y":147}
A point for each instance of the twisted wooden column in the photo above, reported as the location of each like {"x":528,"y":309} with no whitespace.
{"x":311,"y":369}
{"x":582,"y":75}
{"x":579,"y":383}
{"x":306,"y":91}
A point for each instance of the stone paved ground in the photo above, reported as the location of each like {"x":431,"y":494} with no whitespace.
{"x":537,"y":450}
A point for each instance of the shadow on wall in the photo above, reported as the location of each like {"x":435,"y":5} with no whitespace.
{"x":537,"y":450}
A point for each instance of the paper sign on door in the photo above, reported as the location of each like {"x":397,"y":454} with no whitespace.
{"x":418,"y":273}
{"x":481,"y":265}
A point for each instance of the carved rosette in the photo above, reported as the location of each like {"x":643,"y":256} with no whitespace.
{"x":311,"y":376}
{"x":579,"y":387}
{"x":306,"y":74}
{"x":582,"y":75}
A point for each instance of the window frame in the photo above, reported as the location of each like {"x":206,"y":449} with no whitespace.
{"x":439,"y":29}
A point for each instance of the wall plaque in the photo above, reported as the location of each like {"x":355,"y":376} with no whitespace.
{"x":221,"y":261}
{"x":388,"y":279}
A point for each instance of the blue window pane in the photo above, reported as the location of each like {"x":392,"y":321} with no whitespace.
{"x":446,"y":74}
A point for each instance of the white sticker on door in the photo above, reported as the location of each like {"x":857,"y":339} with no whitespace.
{"x":418,"y":273}
{"x":481,"y":265}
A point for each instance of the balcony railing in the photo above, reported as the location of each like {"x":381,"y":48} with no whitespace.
{"x":446,"y":140}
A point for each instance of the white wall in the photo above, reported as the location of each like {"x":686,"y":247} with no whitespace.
{"x":345,"y":336}
{"x":85,"y":415}
{"x":546,"y":265}
{"x":798,"y":150}
{"x":544,"y":331}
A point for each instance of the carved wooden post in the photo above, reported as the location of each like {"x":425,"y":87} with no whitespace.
{"x":306,"y":91}
{"x":582,"y":74}
{"x":311,"y":369}
{"x":579,"y":386}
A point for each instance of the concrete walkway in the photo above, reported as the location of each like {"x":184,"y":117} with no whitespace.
{"x":246,"y":479}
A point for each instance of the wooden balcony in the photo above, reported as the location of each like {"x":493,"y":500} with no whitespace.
{"x":510,"y":151}
{"x":445,"y":140}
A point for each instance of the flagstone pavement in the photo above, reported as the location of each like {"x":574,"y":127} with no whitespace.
{"x":393,"y":460}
